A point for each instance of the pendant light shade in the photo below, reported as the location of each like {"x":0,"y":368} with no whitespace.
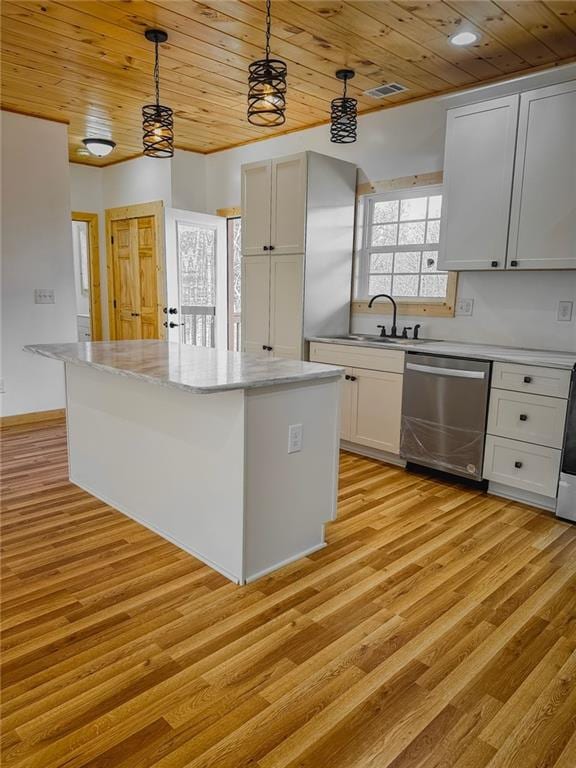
{"x":157,"y":120}
{"x":267,"y":87}
{"x":343,"y":113}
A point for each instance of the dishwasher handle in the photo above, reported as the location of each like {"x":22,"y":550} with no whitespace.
{"x":457,"y":373}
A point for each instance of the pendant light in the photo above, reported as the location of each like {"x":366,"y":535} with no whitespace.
{"x":157,"y":121}
{"x":343,"y":113}
{"x":267,"y":87}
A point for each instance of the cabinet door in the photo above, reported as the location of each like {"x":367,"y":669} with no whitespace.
{"x":255,"y":303}
{"x":286,"y":305}
{"x":478,"y":169}
{"x":346,"y":393}
{"x":256,"y":206}
{"x":376,"y":409}
{"x":288,"y":222}
{"x":543,"y":215}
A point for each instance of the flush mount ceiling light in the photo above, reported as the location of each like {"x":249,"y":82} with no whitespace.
{"x":157,"y":120}
{"x":267,"y":87}
{"x":464,"y":38}
{"x":343,"y":113}
{"x":98,"y":147}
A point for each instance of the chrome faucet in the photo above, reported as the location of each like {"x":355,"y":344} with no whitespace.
{"x":394,"y":330}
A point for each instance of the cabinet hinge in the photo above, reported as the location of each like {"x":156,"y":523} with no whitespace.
{"x":112,"y":239}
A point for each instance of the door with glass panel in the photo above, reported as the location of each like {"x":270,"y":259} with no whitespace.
{"x":196,"y":279}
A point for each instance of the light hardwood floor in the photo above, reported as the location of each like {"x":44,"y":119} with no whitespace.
{"x":437,"y":630}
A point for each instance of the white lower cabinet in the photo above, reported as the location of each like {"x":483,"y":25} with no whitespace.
{"x":533,"y":468}
{"x":371,"y":398}
{"x":376,"y":409}
{"x":526,"y":422}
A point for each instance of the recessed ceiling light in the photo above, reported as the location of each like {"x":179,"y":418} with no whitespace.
{"x":464,"y":38}
{"x":99,"y":147}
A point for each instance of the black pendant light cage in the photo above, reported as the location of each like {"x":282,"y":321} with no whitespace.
{"x":344,"y":113}
{"x":157,"y":120}
{"x":267,"y":87}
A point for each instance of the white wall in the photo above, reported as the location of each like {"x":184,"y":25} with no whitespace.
{"x":391,"y":143}
{"x":36,"y":253}
{"x":518,"y":309}
{"x":141,"y":180}
{"x":189,"y":181}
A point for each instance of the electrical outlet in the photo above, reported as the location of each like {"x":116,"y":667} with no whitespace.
{"x":44,"y":296}
{"x":565,"y":310}
{"x":464,"y":307}
{"x":294,"y":438}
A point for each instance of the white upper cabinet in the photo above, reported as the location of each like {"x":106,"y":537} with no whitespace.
{"x":543,"y":215}
{"x":478,"y":172}
{"x":274,"y":206}
{"x":288,"y":217}
{"x":256,"y":207}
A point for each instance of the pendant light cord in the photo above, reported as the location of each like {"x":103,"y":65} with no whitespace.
{"x":157,"y":74}
{"x":268,"y":25}
{"x":345,"y":84}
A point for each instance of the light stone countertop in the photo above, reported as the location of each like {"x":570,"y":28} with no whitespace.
{"x":198,"y":370}
{"x":543,"y":357}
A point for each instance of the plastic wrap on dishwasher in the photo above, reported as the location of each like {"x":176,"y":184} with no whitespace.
{"x":448,"y":448}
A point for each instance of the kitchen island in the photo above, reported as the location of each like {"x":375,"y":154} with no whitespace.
{"x":232,"y":457}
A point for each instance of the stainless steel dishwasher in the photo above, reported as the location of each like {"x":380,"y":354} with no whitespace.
{"x":444,"y":409}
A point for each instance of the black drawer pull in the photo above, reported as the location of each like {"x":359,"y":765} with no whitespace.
{"x":494,"y":264}
{"x":518,"y":464}
{"x":265,"y":247}
{"x":352,"y":378}
{"x":347,"y":377}
{"x":523,"y":417}
{"x":514,"y":263}
{"x":527,"y":379}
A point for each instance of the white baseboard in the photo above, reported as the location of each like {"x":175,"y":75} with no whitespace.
{"x":289,"y":560}
{"x":372,"y":453}
{"x":525,"y":497}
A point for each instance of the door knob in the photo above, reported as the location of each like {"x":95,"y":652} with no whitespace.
{"x":135,"y":314}
{"x":173,"y":325}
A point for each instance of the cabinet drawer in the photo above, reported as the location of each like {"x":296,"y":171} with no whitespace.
{"x":521,"y":465}
{"x":358,"y":357}
{"x":554,"y":382}
{"x":532,"y":418}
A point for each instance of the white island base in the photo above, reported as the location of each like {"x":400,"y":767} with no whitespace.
{"x":210,"y":472}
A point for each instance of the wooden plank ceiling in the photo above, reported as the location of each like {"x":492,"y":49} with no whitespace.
{"x":86,"y":62}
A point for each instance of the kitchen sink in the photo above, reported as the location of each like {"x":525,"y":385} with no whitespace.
{"x":378,"y":339}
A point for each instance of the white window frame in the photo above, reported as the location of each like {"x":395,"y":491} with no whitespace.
{"x":362,"y":266}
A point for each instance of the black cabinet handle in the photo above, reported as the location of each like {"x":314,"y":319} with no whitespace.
{"x":527,"y":379}
{"x":494,"y":264}
{"x":265,"y":247}
{"x":272,"y":247}
{"x":266,"y":348}
{"x":352,"y":378}
{"x":518,"y":464}
{"x":514,"y":263}
{"x":523,"y":417}
{"x":347,"y":377}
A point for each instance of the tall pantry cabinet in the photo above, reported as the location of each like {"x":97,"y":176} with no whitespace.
{"x":297,"y":246}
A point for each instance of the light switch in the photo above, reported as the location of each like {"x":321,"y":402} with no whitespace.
{"x":565,"y":310}
{"x":464,"y":307}
{"x":294,"y":438}
{"x":44,"y":296}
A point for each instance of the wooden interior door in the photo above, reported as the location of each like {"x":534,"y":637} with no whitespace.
{"x":135,"y":266}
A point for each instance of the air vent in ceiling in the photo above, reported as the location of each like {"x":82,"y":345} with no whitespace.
{"x":385,"y":90}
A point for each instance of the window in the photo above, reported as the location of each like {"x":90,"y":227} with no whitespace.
{"x":234,"y":282}
{"x":196,"y":248}
{"x":399,"y":253}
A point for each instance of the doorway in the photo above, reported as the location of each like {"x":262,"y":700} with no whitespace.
{"x":196,"y":279}
{"x":87,"y":275}
{"x":135,"y":261}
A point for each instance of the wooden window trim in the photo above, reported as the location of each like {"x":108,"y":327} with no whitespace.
{"x":91,"y":219}
{"x":155,"y":209}
{"x":414,"y":307}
